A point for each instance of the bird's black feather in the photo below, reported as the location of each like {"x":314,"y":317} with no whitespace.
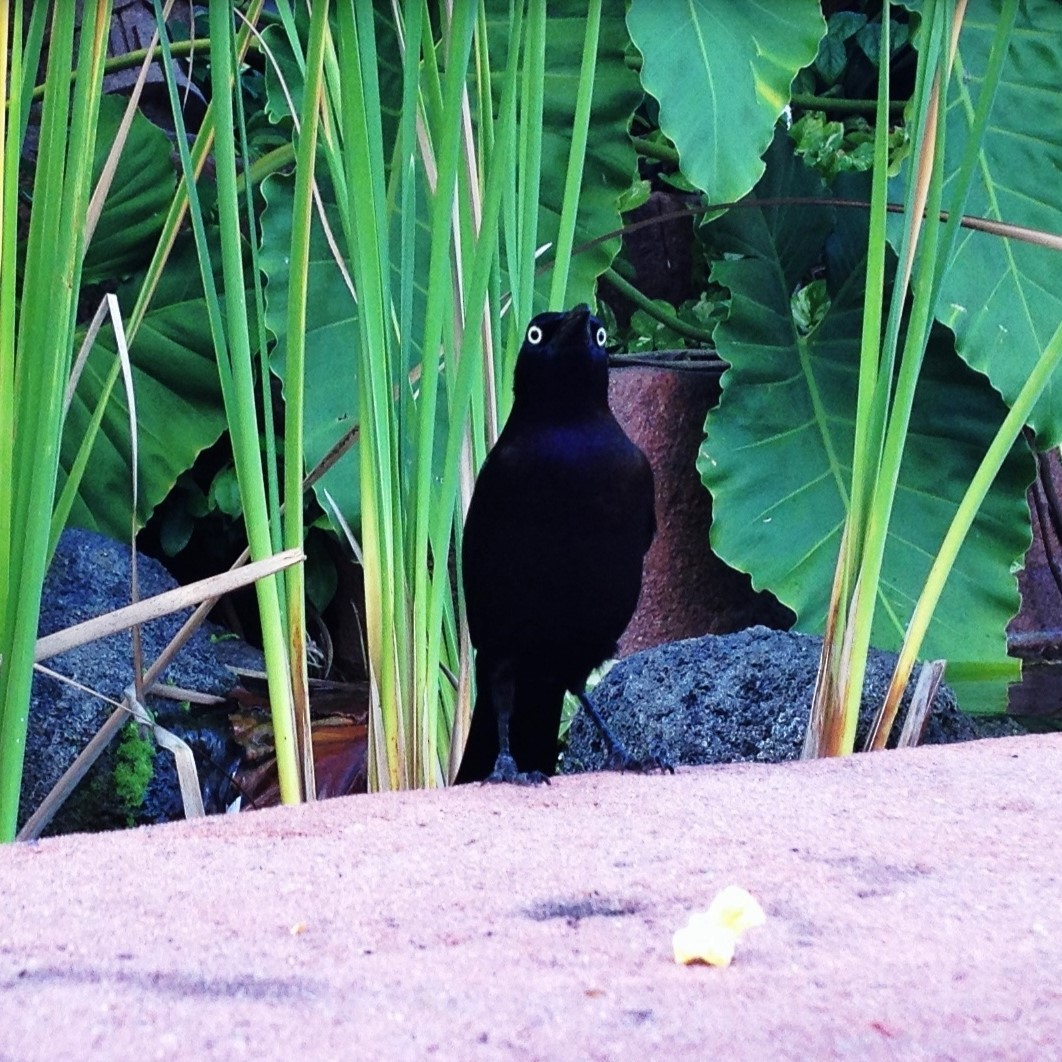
{"x":560,"y":520}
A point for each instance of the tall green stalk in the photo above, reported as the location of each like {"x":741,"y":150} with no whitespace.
{"x":828,"y":727}
{"x":1012,"y":425}
{"x":444,"y":298}
{"x":362,"y":165}
{"x":886,"y":396}
{"x":462,"y":157}
{"x":230,"y":330}
{"x":883,"y":419}
{"x":294,"y":395}
{"x":574,"y":176}
{"x":241,"y":405}
{"x":527,"y":190}
{"x":36,"y":331}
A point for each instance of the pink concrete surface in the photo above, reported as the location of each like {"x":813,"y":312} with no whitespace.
{"x":912,"y":898}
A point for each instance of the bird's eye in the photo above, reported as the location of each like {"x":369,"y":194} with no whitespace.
{"x":534,"y":335}
{"x":602,"y":335}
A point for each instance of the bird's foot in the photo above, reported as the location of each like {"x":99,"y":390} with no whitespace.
{"x":505,"y":770}
{"x":621,"y":760}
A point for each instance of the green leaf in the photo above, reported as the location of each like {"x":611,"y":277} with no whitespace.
{"x":635,"y":196}
{"x":832,"y":57}
{"x":810,"y":305}
{"x":179,"y":408}
{"x":722,"y":74}
{"x":140,"y":194}
{"x":840,"y":147}
{"x":869,"y":40}
{"x":224,"y":492}
{"x":176,"y":520}
{"x":777,"y":457}
{"x":1001,"y":297}
{"x":844,"y":24}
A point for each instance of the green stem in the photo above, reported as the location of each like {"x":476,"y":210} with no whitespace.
{"x":1008,"y":432}
{"x":38,"y":363}
{"x":653,"y":149}
{"x":806,"y":102}
{"x":532,"y":103}
{"x":295,"y":383}
{"x":241,"y":406}
{"x":442,"y":296}
{"x":924,"y":239}
{"x":134,"y":58}
{"x":654,"y":310}
{"x":280,"y":158}
{"x":361,"y":167}
{"x":470,"y":379}
{"x":828,"y":729}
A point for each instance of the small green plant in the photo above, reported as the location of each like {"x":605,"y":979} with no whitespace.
{"x":832,"y":146}
{"x":134,"y":767}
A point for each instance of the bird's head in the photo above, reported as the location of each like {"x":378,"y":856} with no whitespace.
{"x":562,"y":362}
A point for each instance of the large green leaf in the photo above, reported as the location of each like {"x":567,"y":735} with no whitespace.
{"x":777,"y":457}
{"x":178,"y":398}
{"x":139,"y":197}
{"x":722,"y":74}
{"x":1002,"y":297}
{"x":179,"y":409}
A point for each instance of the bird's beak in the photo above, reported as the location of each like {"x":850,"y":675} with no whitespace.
{"x":573,"y":325}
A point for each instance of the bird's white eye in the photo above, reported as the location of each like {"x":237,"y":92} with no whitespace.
{"x":534,"y":335}
{"x":602,"y":335}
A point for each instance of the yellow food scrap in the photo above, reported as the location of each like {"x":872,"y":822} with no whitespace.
{"x":711,"y":936}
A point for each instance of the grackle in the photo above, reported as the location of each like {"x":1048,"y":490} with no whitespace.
{"x":560,"y":520}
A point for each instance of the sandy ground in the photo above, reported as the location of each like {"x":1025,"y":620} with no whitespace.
{"x":912,"y":904}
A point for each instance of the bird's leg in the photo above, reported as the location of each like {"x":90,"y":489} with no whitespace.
{"x":619,"y":759}
{"x":503,"y":693}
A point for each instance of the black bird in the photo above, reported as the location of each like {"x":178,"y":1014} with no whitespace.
{"x":560,"y":520}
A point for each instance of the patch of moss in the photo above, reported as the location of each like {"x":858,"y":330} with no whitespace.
{"x":134,"y":764}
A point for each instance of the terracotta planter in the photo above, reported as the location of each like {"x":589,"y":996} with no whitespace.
{"x":686,"y":591}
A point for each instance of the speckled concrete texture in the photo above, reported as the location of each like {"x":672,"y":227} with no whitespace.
{"x":911,"y":898}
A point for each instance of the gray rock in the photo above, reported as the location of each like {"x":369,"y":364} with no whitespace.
{"x":735,"y":698}
{"x":89,"y":576}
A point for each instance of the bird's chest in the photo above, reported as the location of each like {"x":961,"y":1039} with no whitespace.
{"x":571,"y":476}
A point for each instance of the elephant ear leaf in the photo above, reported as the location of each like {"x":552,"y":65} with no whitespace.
{"x":722,"y":74}
{"x":1001,"y":297}
{"x":178,"y":396}
{"x":139,"y":197}
{"x":777,"y":457}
